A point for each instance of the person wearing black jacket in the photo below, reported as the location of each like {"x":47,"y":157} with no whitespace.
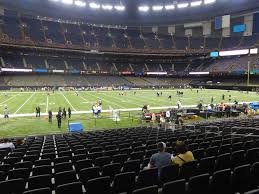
{"x":50,"y":116}
{"x":69,"y":112}
{"x":37,"y":111}
{"x":59,"y":118}
{"x":64,"y":113}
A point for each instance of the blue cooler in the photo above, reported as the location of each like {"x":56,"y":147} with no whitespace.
{"x":75,"y":127}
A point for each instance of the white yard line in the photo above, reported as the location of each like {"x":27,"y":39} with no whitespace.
{"x":24,"y":103}
{"x":47,"y":104}
{"x":122,"y":99}
{"x":9,"y":99}
{"x":108,"y":101}
{"x":68,"y":101}
{"x":83,"y":98}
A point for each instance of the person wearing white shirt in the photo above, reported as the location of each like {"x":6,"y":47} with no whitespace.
{"x":7,"y":144}
{"x":168,"y":115}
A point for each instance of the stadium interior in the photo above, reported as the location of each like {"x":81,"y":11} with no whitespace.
{"x":128,"y":82}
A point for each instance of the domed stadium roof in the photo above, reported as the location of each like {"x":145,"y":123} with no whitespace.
{"x":133,"y":12}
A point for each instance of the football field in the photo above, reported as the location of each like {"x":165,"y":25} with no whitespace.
{"x":22,"y":105}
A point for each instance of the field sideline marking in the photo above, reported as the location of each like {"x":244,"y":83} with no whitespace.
{"x":24,"y":103}
{"x":122,"y":110}
{"x":68,"y":101}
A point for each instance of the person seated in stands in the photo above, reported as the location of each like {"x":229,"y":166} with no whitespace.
{"x":183,"y":155}
{"x":19,"y":142}
{"x":160,"y":159}
{"x":7,"y":144}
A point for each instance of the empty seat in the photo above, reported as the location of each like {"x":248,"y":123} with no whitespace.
{"x":131,"y":166}
{"x":25,"y":164}
{"x":188,"y":169}
{"x":177,"y":186}
{"x":78,"y":157}
{"x":65,"y":177}
{"x":39,"y":191}
{"x":111,"y":169}
{"x":252,"y":155}
{"x":221,"y":182}
{"x":242,"y":179}
{"x":81,"y":164}
{"x":36,"y":182}
{"x":255,"y":173}
{"x":61,"y":167}
{"x":101,"y":161}
{"x":40,"y":170}
{"x":124,"y":182}
{"x":199,"y":184}
{"x":147,"y":190}
{"x":206,"y":165}
{"x":237,"y":158}
{"x":42,"y":162}
{"x":147,"y":178}
{"x":16,"y":186}
{"x":198,"y":154}
{"x":98,"y":185}
{"x":223,"y":161}
{"x":169,"y":173}
{"x":31,"y":158}
{"x":255,"y":191}
{"x":120,"y":158}
{"x":23,"y":173}
{"x":68,"y":188}
{"x":89,"y":173}
{"x":61,"y":159}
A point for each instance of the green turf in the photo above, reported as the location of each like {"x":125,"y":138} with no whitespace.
{"x":19,"y":103}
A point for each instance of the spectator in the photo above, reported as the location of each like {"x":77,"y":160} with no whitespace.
{"x":7,"y":144}
{"x":160,"y":159}
{"x":168,"y":115}
{"x":228,"y":110}
{"x":162,"y":120}
{"x":19,"y":142}
{"x":183,"y":155}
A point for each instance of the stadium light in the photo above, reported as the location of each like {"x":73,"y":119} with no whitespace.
{"x":94,"y":5}
{"x":196,"y":3}
{"x":182,"y":5}
{"x":157,"y":7}
{"x":107,"y":7}
{"x":80,"y":3}
{"x":209,"y":1}
{"x":119,"y":7}
{"x":69,"y":2}
{"x":169,"y":7}
{"x":143,"y":8}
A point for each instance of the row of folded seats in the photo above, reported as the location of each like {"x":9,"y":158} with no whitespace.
{"x":86,"y":166}
{"x":90,"y":180}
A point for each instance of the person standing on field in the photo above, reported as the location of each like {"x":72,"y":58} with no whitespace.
{"x":50,"y":116}
{"x":59,"y":118}
{"x":6,"y":112}
{"x":69,"y":112}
